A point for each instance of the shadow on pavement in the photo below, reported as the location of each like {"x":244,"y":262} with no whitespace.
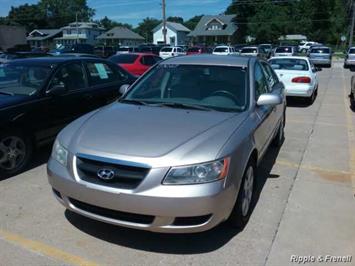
{"x":298,"y":102}
{"x":172,"y":243}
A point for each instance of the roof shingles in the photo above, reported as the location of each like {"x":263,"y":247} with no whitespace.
{"x":201,"y":29}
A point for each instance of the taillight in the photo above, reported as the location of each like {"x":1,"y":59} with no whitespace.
{"x":301,"y":80}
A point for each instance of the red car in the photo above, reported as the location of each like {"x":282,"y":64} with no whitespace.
{"x":135,"y":63}
{"x":197,"y":50}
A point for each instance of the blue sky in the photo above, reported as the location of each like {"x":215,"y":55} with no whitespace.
{"x":133,"y":11}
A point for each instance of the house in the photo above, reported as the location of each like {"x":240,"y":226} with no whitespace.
{"x":176,"y":34}
{"x":214,"y":30}
{"x":120,"y":36}
{"x":40,"y":38}
{"x":11,"y":36}
{"x":80,"y":32}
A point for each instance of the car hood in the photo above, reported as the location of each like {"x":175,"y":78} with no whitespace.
{"x":9,"y":100}
{"x":153,"y":135}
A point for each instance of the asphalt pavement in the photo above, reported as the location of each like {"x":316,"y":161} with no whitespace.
{"x":305,"y":208}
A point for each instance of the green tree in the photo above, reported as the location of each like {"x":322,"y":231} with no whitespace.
{"x":26,"y":15}
{"x":145,"y":28}
{"x":109,"y":24}
{"x":192,"y":22}
{"x":176,"y":19}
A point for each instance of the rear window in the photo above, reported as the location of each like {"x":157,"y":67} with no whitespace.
{"x":221,"y":50}
{"x":249,"y":51}
{"x":166,"y":49}
{"x":124,"y":58}
{"x":352,"y":51}
{"x":289,"y":64}
{"x":320,"y":51}
{"x":283,"y":50}
{"x":124,"y":49}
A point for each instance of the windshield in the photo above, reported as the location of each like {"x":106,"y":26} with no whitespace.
{"x":124,"y":58}
{"x":167,"y":49}
{"x":283,"y":50}
{"x":289,"y":64}
{"x":352,"y":51}
{"x":23,"y":80}
{"x":221,"y":50}
{"x":249,"y":51}
{"x":220,"y":88}
{"x":320,"y":51}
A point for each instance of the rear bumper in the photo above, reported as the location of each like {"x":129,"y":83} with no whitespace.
{"x":349,"y":62}
{"x":170,"y":209}
{"x":321,"y":62}
{"x":299,"y":90}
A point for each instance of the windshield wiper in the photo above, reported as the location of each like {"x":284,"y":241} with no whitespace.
{"x":136,"y":102}
{"x":185,"y":106}
{"x":7,"y":93}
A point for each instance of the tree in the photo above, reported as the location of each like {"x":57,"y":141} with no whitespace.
{"x":145,"y":28}
{"x":176,"y":19}
{"x":109,"y":24}
{"x":26,"y":15}
{"x":192,"y":22}
{"x":62,"y":12}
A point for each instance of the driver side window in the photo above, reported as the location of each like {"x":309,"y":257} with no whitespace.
{"x":71,"y":76}
{"x":260,"y":81}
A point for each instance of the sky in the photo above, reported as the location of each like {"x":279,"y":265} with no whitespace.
{"x":133,"y":11}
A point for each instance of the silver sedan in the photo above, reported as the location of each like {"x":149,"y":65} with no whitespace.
{"x":178,"y":152}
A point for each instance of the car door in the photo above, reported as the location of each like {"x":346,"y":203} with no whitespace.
{"x":105,"y":80}
{"x":264,"y":129}
{"x":64,"y":108}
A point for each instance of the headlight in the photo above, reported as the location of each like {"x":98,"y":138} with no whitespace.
{"x":197,"y":174}
{"x":60,"y":153}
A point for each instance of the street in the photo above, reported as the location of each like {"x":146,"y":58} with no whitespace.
{"x":305,"y":205}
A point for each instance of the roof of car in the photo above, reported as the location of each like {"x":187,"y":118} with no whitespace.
{"x":50,"y":60}
{"x":209,"y":59}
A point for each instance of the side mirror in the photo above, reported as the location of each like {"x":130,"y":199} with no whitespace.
{"x":124,"y":89}
{"x":269,"y":99}
{"x":57,"y":90}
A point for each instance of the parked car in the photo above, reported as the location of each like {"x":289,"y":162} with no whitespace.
{"x":305,"y":45}
{"x":239,"y":47}
{"x":150,"y":49}
{"x":77,"y":55}
{"x":127,"y":50}
{"x":267,"y":48}
{"x":352,"y":93}
{"x":223,"y":50}
{"x":349,"y":60}
{"x":285,"y":51}
{"x":171,"y":51}
{"x":253,"y":51}
{"x":298,"y":75}
{"x":321,"y":56}
{"x":38,"y":97}
{"x":135,"y":63}
{"x":75,"y":48}
{"x":197,"y":50}
{"x":178,"y":153}
{"x":104,"y":51}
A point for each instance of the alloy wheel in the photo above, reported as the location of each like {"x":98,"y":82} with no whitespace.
{"x":12,"y":152}
{"x":248,"y":190}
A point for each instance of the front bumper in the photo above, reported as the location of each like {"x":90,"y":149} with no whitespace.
{"x":162,"y":208}
{"x":299,"y":90}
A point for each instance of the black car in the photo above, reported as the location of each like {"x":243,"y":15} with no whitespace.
{"x":38,"y":97}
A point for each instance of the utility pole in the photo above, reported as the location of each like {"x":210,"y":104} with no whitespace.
{"x":352,"y":25}
{"x":164,"y":21}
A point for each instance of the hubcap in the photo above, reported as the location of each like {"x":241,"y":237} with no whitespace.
{"x":12,"y":152}
{"x":248,"y":191}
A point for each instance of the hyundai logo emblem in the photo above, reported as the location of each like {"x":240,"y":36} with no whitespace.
{"x":106,"y":174}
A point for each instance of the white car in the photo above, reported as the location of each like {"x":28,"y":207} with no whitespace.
{"x":305,"y":45}
{"x":298,"y":75}
{"x":171,"y":51}
{"x":284,"y":51}
{"x":224,"y":50}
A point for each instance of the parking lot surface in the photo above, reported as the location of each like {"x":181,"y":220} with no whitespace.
{"x":305,"y":205}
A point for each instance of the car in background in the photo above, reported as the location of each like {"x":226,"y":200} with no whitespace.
{"x":284,"y":51}
{"x":79,"y":48}
{"x":178,"y":153}
{"x":321,"y":56}
{"x":298,"y":75}
{"x":39,"y":96}
{"x":127,"y":50}
{"x":135,"y":63}
{"x":239,"y":47}
{"x":150,"y":48}
{"x":171,"y":51}
{"x":77,"y":55}
{"x":352,"y":94}
{"x":267,"y":48}
{"x":224,"y":50}
{"x":104,"y":51}
{"x":254,"y":51}
{"x":197,"y":50}
{"x":349,"y":61}
{"x":305,"y":46}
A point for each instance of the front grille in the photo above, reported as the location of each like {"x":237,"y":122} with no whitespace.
{"x":125,"y":177}
{"x":112,"y":214}
{"x":190,"y":221}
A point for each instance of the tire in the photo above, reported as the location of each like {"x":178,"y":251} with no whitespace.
{"x":280,"y":136}
{"x":352,"y":102}
{"x":15,"y":153}
{"x":312,"y":98}
{"x":240,"y":214}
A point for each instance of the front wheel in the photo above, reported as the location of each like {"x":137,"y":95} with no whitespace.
{"x":242,"y":208}
{"x":15,"y":152}
{"x":279,"y":138}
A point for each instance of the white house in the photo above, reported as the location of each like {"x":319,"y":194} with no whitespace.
{"x":176,"y":34}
